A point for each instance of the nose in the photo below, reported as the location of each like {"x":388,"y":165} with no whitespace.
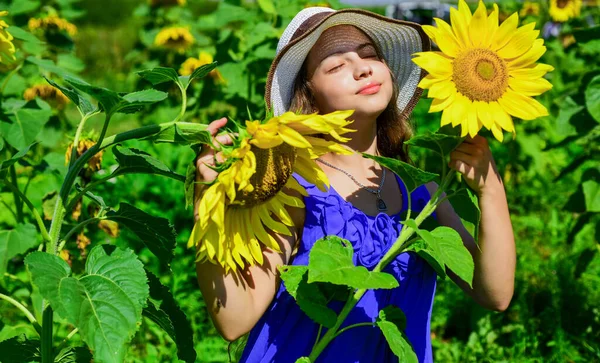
{"x":362,"y":68}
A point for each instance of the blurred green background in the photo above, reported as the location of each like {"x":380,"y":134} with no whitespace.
{"x":550,"y":170}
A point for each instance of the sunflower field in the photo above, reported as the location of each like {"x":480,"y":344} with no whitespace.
{"x":103,"y":105}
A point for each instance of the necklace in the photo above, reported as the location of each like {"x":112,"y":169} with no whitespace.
{"x":381,"y":206}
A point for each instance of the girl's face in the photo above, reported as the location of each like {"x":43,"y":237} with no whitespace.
{"x":345,"y":72}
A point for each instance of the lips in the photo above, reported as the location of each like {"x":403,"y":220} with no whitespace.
{"x":370,"y":88}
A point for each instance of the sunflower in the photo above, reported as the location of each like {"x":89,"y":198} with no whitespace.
{"x":7,"y":48}
{"x":50,"y":94}
{"x":93,"y":165}
{"x":178,"y":38}
{"x":563,"y":10}
{"x":485,"y":72}
{"x":190,"y":65}
{"x":529,"y":8}
{"x":248,"y":197}
{"x":52,"y":22}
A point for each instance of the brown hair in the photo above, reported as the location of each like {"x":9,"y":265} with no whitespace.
{"x":393,"y":128}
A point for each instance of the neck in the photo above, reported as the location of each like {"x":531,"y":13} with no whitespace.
{"x":364,"y":140}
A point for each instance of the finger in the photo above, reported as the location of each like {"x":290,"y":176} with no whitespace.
{"x":225,"y":139}
{"x":214,"y":126}
{"x":467,"y":156}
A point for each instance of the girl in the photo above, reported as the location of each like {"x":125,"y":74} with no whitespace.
{"x":352,"y":59}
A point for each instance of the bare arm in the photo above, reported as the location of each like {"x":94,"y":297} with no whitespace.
{"x":237,"y":300}
{"x":495,"y":259}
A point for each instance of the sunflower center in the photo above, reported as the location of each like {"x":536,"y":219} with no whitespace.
{"x":480,"y":74}
{"x":562,"y":3}
{"x":273,"y":169}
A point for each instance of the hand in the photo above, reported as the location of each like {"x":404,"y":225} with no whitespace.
{"x":473,"y":159}
{"x":206,"y":159}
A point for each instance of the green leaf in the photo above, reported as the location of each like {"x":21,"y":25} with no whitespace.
{"x":568,"y":108}
{"x":592,"y":98}
{"x":591,"y":193}
{"x":447,"y":244}
{"x":440,"y":143}
{"x":171,"y":319}
{"x":411,"y":176}
{"x":466,"y":205}
{"x":26,"y":124}
{"x":303,"y":360}
{"x":105,"y":304}
{"x":23,"y":35}
{"x":16,"y":157}
{"x":198,"y":73}
{"x":267,"y":6}
{"x":308,"y":295}
{"x":586,"y":34}
{"x":182,"y":133}
{"x":392,"y":322}
{"x":15,"y":242}
{"x":135,"y":101}
{"x":23,"y":6}
{"x":159,"y":75}
{"x":429,"y":253}
{"x":330,"y":260}
{"x":134,"y":161}
{"x":190,"y":179}
{"x":156,"y":233}
{"x":74,"y":355}
{"x":82,"y":103}
{"x":49,"y":66}
{"x":19,"y":349}
{"x":109,"y":100}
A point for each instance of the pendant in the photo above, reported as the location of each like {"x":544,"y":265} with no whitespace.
{"x":381,"y":206}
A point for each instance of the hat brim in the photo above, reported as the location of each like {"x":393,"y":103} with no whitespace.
{"x":396,"y":39}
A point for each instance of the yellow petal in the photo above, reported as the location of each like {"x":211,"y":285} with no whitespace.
{"x":439,"y":104}
{"x":472,"y":120}
{"x":289,"y":200}
{"x":428,"y":81}
{"x":460,"y":27}
{"x":497,"y":132}
{"x":251,"y":240}
{"x":492,"y":27}
{"x":435,"y":63}
{"x":442,"y":90}
{"x":520,"y":43}
{"x":529,"y":57}
{"x":505,"y":32}
{"x":478,"y":26}
{"x":459,"y":109}
{"x":278,"y":209}
{"x":430,"y":31}
{"x":501,"y":118}
{"x":293,"y":184}
{"x":447,"y":40}
{"x":538,"y":71}
{"x":523,"y":107}
{"x":311,"y":172}
{"x":272,"y":224}
{"x":483,"y":113}
{"x":264,"y":237}
{"x":446,"y":117}
{"x":531,"y":87}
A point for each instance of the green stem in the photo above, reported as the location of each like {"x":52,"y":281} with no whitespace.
{"x":66,"y":340}
{"x":24,"y":310}
{"x":36,"y":215}
{"x":55,"y":226}
{"x":133,"y":134}
{"x":183,"y":103}
{"x":15,"y":190}
{"x":8,"y":208}
{"x":47,"y":353}
{"x":78,"y":227}
{"x":318,"y":336}
{"x":80,"y":194}
{"x":74,"y":148}
{"x":353,"y":326}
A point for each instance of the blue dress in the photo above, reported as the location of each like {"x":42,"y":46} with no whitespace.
{"x":284,"y":333}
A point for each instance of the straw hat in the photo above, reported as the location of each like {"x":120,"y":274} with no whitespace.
{"x":396,"y":39}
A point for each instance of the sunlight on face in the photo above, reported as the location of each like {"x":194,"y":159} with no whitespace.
{"x":345,"y":72}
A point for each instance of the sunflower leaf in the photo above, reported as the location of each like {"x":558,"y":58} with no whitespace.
{"x":198,"y":73}
{"x":466,"y":205}
{"x":160,"y":75}
{"x":82,"y":103}
{"x":170,"y":318}
{"x":156,"y":233}
{"x":437,"y":142}
{"x":19,"y":349}
{"x":411,"y":176}
{"x":15,"y":242}
{"x":105,"y":304}
{"x":134,"y":161}
{"x":308,"y":295}
{"x":16,"y":157}
{"x":182,"y":133}
{"x":430,"y":254}
{"x":330,"y":260}
{"x":190,"y":178}
{"x":25,"y":125}
{"x":444,"y":245}
{"x":392,"y":322}
{"x":592,"y":98}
